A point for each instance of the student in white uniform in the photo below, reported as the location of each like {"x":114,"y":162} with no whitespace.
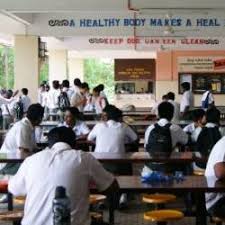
{"x":20,"y":139}
{"x":187,"y":101}
{"x":215,"y":170}
{"x":207,"y":100}
{"x":60,"y":165}
{"x":26,"y":101}
{"x":66,"y":88}
{"x":53,"y":97}
{"x":199,"y":121}
{"x":72,"y":120}
{"x":176,"y":105}
{"x":178,"y":136}
{"x":110,"y":134}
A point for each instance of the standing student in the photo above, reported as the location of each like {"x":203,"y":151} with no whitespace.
{"x":207,"y":100}
{"x":187,"y":101}
{"x":163,"y":136}
{"x":66,"y":88}
{"x":60,"y":165}
{"x":72,"y":120}
{"x":53,"y":97}
{"x":176,"y":105}
{"x":25,"y":100}
{"x":21,"y":137}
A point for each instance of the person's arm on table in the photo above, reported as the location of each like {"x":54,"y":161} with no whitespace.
{"x":219,"y":169}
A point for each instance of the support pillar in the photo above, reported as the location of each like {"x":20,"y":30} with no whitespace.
{"x":75,"y":69}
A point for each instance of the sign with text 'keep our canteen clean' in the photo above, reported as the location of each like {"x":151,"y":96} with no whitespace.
{"x":123,"y":24}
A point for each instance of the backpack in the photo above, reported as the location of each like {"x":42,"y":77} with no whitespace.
{"x":160,"y":141}
{"x":63,"y":101}
{"x":205,"y":103}
{"x":18,"y":109}
{"x":207,"y":139}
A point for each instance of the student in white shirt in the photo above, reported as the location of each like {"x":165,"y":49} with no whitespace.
{"x":110,"y":135}
{"x":25,"y":99}
{"x":41,"y":90}
{"x":199,"y":121}
{"x":156,"y":105}
{"x":178,"y":136}
{"x":66,"y":88}
{"x":72,"y":120}
{"x":59,"y":165}
{"x":187,"y":101}
{"x":53,"y":97}
{"x":20,"y":139}
{"x":176,"y":105}
{"x":215,"y":170}
{"x":101,"y":88}
{"x":207,"y":100}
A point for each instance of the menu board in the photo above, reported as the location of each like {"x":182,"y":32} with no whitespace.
{"x":134,"y":69}
{"x":199,"y":82}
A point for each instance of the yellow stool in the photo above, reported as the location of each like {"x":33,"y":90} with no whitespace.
{"x":158,"y":198}
{"x":94,"y":199}
{"x":164,"y":215}
{"x":199,"y":172}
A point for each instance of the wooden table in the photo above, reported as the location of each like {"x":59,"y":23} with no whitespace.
{"x":198,"y":185}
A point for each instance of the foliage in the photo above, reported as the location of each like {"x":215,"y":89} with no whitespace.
{"x":98,"y":71}
{"x":44,"y":72}
{"x":6,"y":67}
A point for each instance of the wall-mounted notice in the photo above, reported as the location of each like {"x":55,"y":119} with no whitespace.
{"x":134,"y":69}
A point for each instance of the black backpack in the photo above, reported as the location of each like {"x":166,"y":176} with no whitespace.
{"x":207,"y":138}
{"x":160,"y":141}
{"x":63,"y":101}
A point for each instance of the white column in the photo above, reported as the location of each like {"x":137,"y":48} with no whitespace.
{"x":75,"y":69}
{"x":26,"y":66}
{"x":57,"y":65}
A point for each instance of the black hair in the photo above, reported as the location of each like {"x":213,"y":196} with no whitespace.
{"x":77,"y":82}
{"x":197,"y":114}
{"x":101,"y":87}
{"x":96,"y":89}
{"x":74,"y":111}
{"x":213,"y":115}
{"x":24,"y":91}
{"x":85,"y":86}
{"x":171,"y":96}
{"x":61,"y":134}
{"x":164,"y":97}
{"x":9,"y":93}
{"x":65,"y":83}
{"x":35,"y":112}
{"x":47,"y":87}
{"x":186,"y":86}
{"x":113,"y":113}
{"x":55,"y":84}
{"x":165,"y":110}
{"x":209,"y":86}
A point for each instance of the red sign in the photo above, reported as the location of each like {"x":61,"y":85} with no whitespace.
{"x":219,"y":64}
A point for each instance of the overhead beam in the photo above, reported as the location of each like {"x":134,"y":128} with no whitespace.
{"x":24,"y":18}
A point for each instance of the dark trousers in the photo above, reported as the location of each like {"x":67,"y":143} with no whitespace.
{"x":218,"y":209}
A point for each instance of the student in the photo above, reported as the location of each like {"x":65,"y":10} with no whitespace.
{"x":25,"y":99}
{"x":199,"y":121}
{"x":41,"y":90}
{"x":53,"y":97}
{"x":207,"y":100}
{"x":187,"y":101}
{"x":59,"y":165}
{"x":72,"y":120}
{"x":21,"y":137}
{"x":45,"y":96}
{"x":110,"y":134}
{"x":215,"y":170}
{"x":171,"y":135}
{"x":77,"y":84}
{"x":66,"y":88}
{"x":156,"y":105}
{"x":176,"y":105}
{"x":101,"y":88}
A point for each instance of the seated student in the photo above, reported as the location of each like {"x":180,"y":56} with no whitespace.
{"x":59,"y":165}
{"x":162,"y":137}
{"x":72,"y":120}
{"x":21,"y":137}
{"x":209,"y":134}
{"x":199,"y":121}
{"x":110,"y":135}
{"x":215,"y":170}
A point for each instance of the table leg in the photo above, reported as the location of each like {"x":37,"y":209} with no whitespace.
{"x":201,"y":213}
{"x":10,"y":201}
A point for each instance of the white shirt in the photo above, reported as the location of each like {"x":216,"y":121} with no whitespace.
{"x":75,"y":99}
{"x":217,"y":155}
{"x":210,"y":98}
{"x":193,"y":131}
{"x":99,"y":104}
{"x":176,"y":114}
{"x":8,"y":109}
{"x":79,"y":129}
{"x":186,"y":100}
{"x":41,"y":173}
{"x":69,"y":92}
{"x":53,"y":98}
{"x":111,"y":136}
{"x":5,"y":100}
{"x":177,"y":134}
{"x":26,"y":102}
